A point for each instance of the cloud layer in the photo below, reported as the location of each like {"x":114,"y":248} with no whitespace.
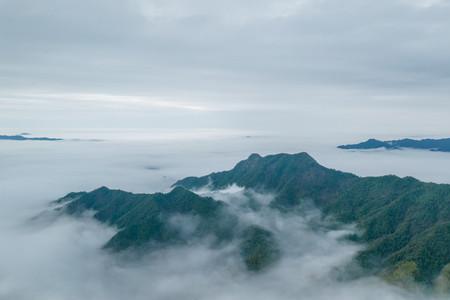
{"x":235,"y":64}
{"x":62,"y":259}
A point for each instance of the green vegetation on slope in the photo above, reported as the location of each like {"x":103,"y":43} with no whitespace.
{"x":258,"y":248}
{"x":403,"y":220}
{"x":151,"y":221}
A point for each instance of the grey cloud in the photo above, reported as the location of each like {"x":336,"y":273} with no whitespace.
{"x":243,"y":61}
{"x":153,"y":46}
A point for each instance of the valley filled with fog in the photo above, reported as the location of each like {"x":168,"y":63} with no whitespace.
{"x":44,"y":257}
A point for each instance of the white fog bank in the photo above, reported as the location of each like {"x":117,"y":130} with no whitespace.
{"x":62,"y":259}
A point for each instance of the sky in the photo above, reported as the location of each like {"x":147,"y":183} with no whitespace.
{"x":298,"y":67}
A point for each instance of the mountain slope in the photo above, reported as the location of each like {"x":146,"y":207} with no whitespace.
{"x":146,"y":222}
{"x":401,"y":219}
{"x":291,"y":176}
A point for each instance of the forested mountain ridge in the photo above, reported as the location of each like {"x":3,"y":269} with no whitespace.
{"x":405,"y":222}
{"x":441,"y":145}
{"x":147,"y":222}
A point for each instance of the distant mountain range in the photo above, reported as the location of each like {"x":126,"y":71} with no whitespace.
{"x":405,"y":223}
{"x":23,"y":137}
{"x":442,"y":145}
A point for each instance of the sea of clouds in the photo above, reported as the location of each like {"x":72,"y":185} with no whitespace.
{"x":62,"y":258}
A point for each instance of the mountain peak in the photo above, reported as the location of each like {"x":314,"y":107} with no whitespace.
{"x":102,"y":189}
{"x":300,"y":155}
{"x":254,"y":156}
{"x":301,"y":159}
{"x":269,"y":171}
{"x":304,"y":155}
{"x":180,"y":191}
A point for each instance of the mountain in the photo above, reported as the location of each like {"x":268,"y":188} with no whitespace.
{"x":22,"y":137}
{"x":442,"y":145}
{"x":405,"y":222}
{"x":146,"y":222}
{"x":291,"y":177}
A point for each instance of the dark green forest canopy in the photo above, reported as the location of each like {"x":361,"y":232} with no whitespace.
{"x":401,"y":219}
{"x":147,"y":222}
{"x":405,"y":223}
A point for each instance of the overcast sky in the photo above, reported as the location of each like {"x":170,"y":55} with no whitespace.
{"x":372,"y":66}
